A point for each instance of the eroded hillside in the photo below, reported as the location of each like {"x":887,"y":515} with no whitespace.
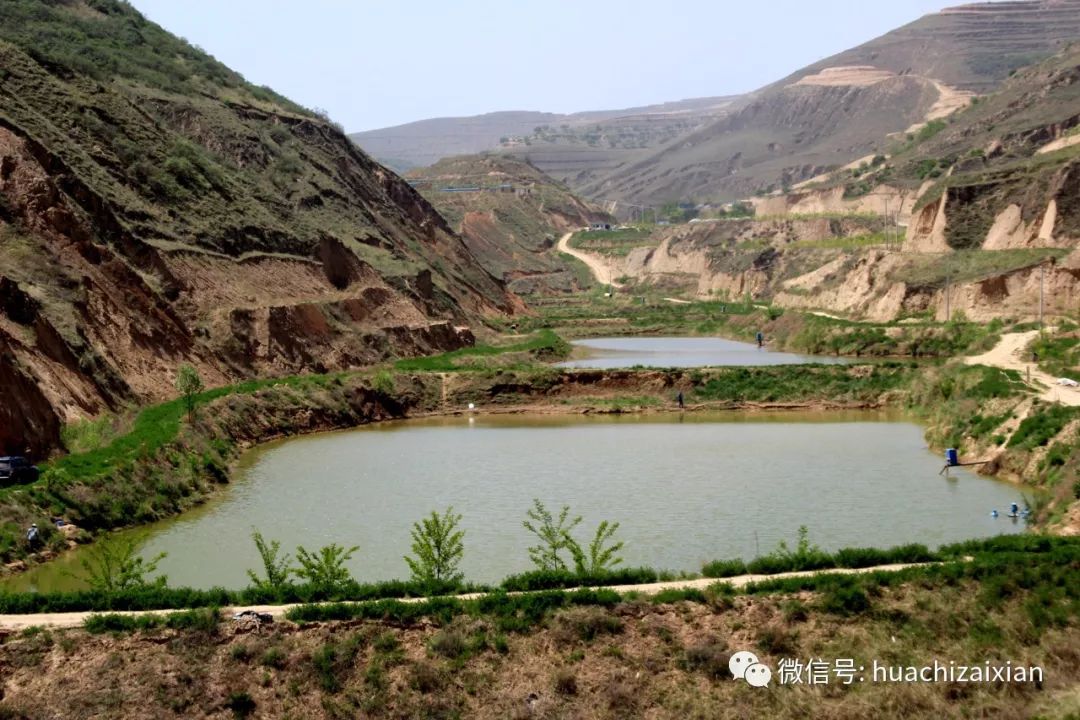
{"x":977,"y":213}
{"x":510,"y":216}
{"x":155,"y":209}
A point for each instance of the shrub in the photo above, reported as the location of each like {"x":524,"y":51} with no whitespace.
{"x":845,"y":599}
{"x":114,"y":567}
{"x":383,"y":382}
{"x":428,"y":678}
{"x":552,"y":579}
{"x":554,"y":536}
{"x":438,"y":549}
{"x":241,"y":704}
{"x":273,"y":657}
{"x":565,"y":681}
{"x":189,"y":385}
{"x":601,"y":557}
{"x":587,"y":623}
{"x":276,"y":567}
{"x":326,"y":571}
{"x":804,"y":557}
{"x":333,"y":661}
{"x":709,"y":656}
{"x":724,"y":568}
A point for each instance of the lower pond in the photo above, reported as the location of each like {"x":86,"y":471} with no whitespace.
{"x":621,"y":352}
{"x":685,"y":489}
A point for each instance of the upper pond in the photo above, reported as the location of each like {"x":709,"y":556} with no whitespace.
{"x":685,"y":488}
{"x":620,"y":352}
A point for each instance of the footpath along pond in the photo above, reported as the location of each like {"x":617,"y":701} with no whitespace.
{"x":686,"y":489}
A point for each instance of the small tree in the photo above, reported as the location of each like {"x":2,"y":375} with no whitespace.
{"x":325,"y":570}
{"x":601,"y":557}
{"x":554,"y":536}
{"x":438,"y":548}
{"x":188,"y":384}
{"x":116,"y":566}
{"x":276,"y":566}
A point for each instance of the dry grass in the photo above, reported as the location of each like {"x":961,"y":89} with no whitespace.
{"x":636,"y":659}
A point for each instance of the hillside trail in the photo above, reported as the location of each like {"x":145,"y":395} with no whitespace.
{"x":10,"y":623}
{"x":598,"y":269}
{"x":1007,"y":356}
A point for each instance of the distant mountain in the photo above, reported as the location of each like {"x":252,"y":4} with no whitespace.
{"x":818,"y":119}
{"x":425,"y":142}
{"x":845,"y":107}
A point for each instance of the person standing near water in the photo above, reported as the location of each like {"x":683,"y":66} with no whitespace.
{"x":760,"y":339}
{"x":679,"y":399}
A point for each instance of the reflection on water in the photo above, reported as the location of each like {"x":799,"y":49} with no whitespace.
{"x":686,"y":489}
{"x":620,"y":352}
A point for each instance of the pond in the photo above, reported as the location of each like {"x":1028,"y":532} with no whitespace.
{"x":622,"y":352}
{"x":685,"y":489}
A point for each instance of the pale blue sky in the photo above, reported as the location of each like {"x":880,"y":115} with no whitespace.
{"x":375,"y":63}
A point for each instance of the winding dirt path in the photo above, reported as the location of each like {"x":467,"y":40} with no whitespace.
{"x":76,"y":619}
{"x":599,"y":270}
{"x":1007,"y":354}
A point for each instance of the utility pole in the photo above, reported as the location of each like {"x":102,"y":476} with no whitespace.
{"x":888,"y":236}
{"x":1042,"y":284}
{"x":947,"y":314}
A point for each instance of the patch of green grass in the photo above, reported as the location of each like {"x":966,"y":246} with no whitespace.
{"x":1059,"y":356}
{"x":789,"y":383}
{"x":843,"y":243}
{"x":932,"y":270}
{"x":544,"y":344}
{"x":157,"y":425}
{"x":90,"y":434}
{"x":1040,"y":427}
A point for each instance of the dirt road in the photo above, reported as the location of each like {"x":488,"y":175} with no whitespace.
{"x":1008,"y":355}
{"x":599,"y":270}
{"x":76,"y":619}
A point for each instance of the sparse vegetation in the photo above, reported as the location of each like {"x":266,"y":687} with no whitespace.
{"x":117,"y":567}
{"x":325,"y":569}
{"x":438,"y":546}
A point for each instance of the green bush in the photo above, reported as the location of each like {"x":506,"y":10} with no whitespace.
{"x":554,"y":579}
{"x":724,"y":568}
{"x":437,"y":548}
{"x":325,"y":570}
{"x":845,"y":600}
{"x":1041,"y":426}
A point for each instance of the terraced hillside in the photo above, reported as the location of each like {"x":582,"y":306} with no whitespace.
{"x":510,"y":216}
{"x":156,"y":209}
{"x":560,"y":145}
{"x":982,"y":219}
{"x":845,"y":107}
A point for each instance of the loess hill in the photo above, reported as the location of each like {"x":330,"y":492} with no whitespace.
{"x":156,"y":209}
{"x":510,"y":216}
{"x":817,"y":120}
{"x":843,"y":108}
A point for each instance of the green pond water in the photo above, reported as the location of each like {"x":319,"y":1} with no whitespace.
{"x":685,"y":488}
{"x":667,"y":352}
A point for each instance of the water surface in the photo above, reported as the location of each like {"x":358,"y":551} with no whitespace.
{"x":685,"y":488}
{"x":621,"y":352}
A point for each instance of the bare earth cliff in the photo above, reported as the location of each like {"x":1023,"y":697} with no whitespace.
{"x":155,"y":209}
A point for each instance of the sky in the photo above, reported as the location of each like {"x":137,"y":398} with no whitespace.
{"x":378,"y":63}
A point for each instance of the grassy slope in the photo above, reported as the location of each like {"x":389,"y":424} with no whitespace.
{"x":593,"y":652}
